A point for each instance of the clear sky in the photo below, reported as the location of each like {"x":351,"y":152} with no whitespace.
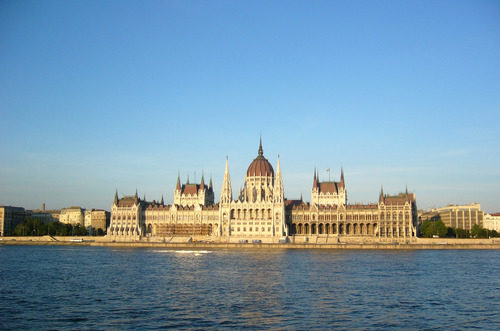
{"x":104,"y":95}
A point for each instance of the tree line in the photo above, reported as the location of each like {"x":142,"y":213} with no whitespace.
{"x":431,"y":228}
{"x":35,"y":227}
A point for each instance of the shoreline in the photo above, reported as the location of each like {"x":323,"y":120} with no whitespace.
{"x":425,"y":244}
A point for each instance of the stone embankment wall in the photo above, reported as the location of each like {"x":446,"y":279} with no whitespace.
{"x":316,"y":242}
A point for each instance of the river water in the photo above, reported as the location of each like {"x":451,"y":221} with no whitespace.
{"x":54,"y":287}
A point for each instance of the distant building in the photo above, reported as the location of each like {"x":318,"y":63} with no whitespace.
{"x":10,"y":217}
{"x":72,"y":215}
{"x":97,"y":219}
{"x":43,"y":217}
{"x":456,"y":216}
{"x":492,"y":221}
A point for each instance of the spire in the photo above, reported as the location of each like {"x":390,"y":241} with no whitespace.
{"x":261,"y":152}
{"x":162,"y":203}
{"x":278,"y":191}
{"x":178,"y":187}
{"x":381,"y":196}
{"x":136,"y":193}
{"x":210,"y":185}
{"x":116,"y":197}
{"x":202,"y":184}
{"x":406,"y":191}
{"x":187,"y":182}
{"x":136,"y":198}
{"x":342,"y":177}
{"x":226,"y":194}
{"x":315,"y":179}
{"x":301,"y":197}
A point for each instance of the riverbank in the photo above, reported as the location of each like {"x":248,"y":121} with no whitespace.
{"x":188,"y":243}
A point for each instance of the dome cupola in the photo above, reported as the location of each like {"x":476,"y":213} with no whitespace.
{"x":260,"y":166}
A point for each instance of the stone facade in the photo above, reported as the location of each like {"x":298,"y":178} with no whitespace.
{"x":97,"y":219}
{"x":190,"y":195}
{"x":394,"y":217}
{"x":72,"y":215}
{"x":10,"y":217}
{"x":329,"y":193}
{"x":492,"y":221}
{"x":261,"y":211}
{"x":127,"y":217}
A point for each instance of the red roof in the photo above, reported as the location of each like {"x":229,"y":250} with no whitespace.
{"x":328,"y":187}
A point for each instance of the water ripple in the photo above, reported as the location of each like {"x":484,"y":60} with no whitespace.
{"x":100,"y":288}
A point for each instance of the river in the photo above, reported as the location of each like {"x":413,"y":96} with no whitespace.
{"x":67,"y":287}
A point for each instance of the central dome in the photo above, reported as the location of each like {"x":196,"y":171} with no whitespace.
{"x":260,"y":166}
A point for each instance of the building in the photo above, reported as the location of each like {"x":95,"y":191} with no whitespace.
{"x":10,"y":217}
{"x":96,"y":219}
{"x":72,"y":215}
{"x":328,"y":193}
{"x":193,"y":212}
{"x":189,"y":195}
{"x":492,"y":221}
{"x":44,"y":217}
{"x":260,"y":211}
{"x":393,"y":218}
{"x":127,"y":217}
{"x":456,"y":216}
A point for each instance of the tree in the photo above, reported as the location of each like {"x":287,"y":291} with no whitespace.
{"x":477,"y":231}
{"x":431,"y":228}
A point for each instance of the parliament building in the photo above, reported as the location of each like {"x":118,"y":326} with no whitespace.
{"x":261,"y":212}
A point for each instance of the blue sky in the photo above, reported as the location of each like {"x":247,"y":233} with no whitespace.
{"x":104,"y":95}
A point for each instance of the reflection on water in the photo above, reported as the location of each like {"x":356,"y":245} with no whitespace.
{"x":87,"y":287}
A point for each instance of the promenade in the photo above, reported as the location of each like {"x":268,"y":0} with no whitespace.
{"x":189,"y":243}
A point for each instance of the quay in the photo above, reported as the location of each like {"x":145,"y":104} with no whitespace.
{"x":293,"y":243}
